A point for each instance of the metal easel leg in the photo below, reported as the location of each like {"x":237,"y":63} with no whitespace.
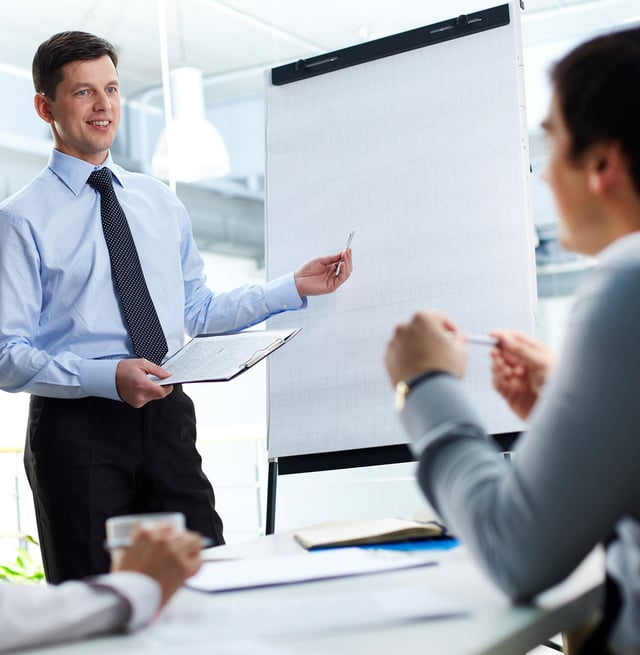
{"x":272,"y":480}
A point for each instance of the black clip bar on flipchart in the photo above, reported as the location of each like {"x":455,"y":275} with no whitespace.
{"x":390,"y":45}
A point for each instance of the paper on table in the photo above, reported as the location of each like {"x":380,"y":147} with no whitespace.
{"x":221,"y":357}
{"x":246,"y":620}
{"x":288,"y":569}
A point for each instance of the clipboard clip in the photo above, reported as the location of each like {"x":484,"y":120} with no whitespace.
{"x":262,"y":353}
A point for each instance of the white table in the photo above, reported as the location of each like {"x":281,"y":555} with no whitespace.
{"x":230,"y":623}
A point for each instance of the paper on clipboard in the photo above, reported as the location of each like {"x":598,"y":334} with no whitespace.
{"x":221,"y":357}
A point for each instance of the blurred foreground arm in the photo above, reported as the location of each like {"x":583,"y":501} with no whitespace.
{"x":151,"y":571}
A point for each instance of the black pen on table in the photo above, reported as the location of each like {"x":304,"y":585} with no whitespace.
{"x":346,"y":247}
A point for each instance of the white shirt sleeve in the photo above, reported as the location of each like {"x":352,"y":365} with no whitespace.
{"x":33,"y":615}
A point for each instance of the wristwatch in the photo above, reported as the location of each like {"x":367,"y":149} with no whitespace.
{"x":404,"y":386}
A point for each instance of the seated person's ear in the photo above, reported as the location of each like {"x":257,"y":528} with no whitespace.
{"x":607,"y":163}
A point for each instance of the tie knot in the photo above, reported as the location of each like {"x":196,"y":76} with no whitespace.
{"x":101,"y":179}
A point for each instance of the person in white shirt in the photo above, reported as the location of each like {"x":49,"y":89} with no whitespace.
{"x":150,"y":571}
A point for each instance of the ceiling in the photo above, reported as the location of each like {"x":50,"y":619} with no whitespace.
{"x":232,"y":41}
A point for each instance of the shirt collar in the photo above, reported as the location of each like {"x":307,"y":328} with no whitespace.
{"x":613,"y":250}
{"x":73,"y":172}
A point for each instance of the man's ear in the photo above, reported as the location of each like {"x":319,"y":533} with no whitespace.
{"x":41,"y":103}
{"x":607,"y":162}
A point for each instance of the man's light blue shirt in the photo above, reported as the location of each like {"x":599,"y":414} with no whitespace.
{"x":62,"y":331}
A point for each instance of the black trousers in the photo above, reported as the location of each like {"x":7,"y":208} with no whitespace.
{"x":91,"y":458}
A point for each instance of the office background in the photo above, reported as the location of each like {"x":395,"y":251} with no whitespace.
{"x":221,"y":49}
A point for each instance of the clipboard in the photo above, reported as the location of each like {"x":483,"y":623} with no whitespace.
{"x":222,"y":357}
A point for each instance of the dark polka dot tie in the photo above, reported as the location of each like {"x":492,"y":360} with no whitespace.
{"x":140,"y":314}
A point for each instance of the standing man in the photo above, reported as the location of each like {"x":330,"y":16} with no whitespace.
{"x":99,"y":280}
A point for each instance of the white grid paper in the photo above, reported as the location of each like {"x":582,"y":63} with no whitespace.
{"x":424,"y":155}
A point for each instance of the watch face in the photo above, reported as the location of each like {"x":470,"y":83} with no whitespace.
{"x":404,"y":386}
{"x":402,"y":389}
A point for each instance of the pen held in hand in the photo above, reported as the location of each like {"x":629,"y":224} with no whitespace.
{"x":481,"y":339}
{"x":346,"y":247}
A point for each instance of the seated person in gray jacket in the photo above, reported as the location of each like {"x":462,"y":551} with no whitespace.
{"x":574,"y":481}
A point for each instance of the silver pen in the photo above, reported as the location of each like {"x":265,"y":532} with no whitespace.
{"x":346,"y":247}
{"x":481,"y":339}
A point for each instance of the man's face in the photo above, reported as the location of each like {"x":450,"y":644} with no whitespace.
{"x":569,"y":181}
{"x":85,"y":114}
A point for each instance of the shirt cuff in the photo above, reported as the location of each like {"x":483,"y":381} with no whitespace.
{"x":282,"y":294}
{"x":433,"y":407}
{"x":140,"y":592}
{"x":98,"y":377}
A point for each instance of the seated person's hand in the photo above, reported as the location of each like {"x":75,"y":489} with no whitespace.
{"x":428,"y":342}
{"x":520,"y":366}
{"x":164,"y":554}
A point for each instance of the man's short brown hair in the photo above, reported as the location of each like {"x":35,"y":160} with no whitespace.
{"x":62,"y":48}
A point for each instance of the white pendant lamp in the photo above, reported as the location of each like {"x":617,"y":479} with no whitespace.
{"x":190,"y":148}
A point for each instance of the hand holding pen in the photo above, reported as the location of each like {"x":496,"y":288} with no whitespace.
{"x":324,"y":274}
{"x":346,"y":247}
{"x":519,"y":369}
{"x":430,"y":341}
